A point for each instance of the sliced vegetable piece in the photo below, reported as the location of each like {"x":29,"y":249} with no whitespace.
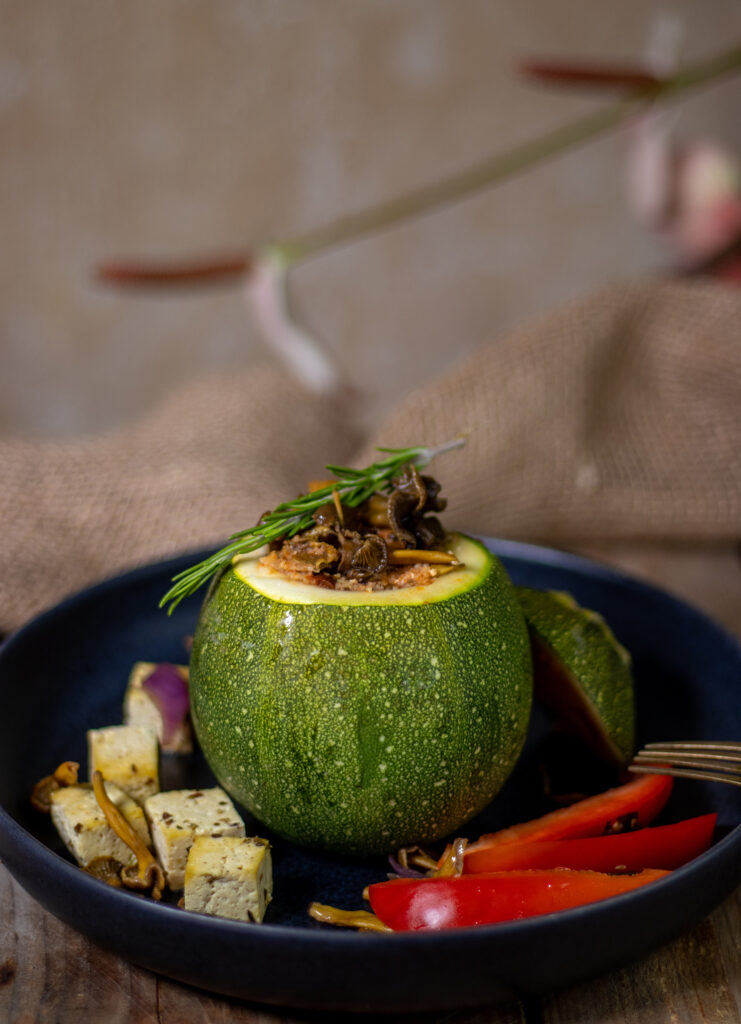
{"x":408,"y":904}
{"x":581,"y":673}
{"x":644,"y":796}
{"x":168,"y":689}
{"x":666,"y":846}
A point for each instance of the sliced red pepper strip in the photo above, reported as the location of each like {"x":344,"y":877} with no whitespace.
{"x":666,"y":846}
{"x":644,"y":796}
{"x":411,"y":904}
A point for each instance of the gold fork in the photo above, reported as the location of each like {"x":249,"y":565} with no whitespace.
{"x":717,"y":761}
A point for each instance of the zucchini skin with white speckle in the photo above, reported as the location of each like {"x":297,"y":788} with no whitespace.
{"x":581,"y":672}
{"x":360,"y":727}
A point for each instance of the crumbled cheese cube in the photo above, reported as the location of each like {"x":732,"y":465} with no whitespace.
{"x":126,"y":755}
{"x":177,"y":817}
{"x":140,"y":709}
{"x":229,"y":877}
{"x":84,"y":829}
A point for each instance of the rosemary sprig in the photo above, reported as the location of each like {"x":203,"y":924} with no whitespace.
{"x":353,"y":487}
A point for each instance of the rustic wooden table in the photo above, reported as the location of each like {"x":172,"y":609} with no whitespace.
{"x":51,"y":975}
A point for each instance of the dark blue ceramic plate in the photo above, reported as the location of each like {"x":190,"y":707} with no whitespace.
{"x":66,"y":672}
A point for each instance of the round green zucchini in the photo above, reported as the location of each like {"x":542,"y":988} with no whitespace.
{"x":358,"y":722}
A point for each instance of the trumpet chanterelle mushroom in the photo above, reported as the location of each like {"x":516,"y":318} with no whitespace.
{"x":64,"y":775}
{"x":389,"y":541}
{"x":147,"y":875}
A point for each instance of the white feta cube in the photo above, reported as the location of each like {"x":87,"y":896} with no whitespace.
{"x":178,"y":816}
{"x":127,"y":755}
{"x":229,"y":877}
{"x":84,"y":829}
{"x":140,"y":709}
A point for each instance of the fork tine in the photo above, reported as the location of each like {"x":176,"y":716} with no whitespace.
{"x":728,"y":745}
{"x":727,"y":754}
{"x":684,"y":773}
{"x":687,"y":759}
{"x":698,"y":766}
{"x":713,"y":760}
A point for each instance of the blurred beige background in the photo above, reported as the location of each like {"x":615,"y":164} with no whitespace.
{"x":170,"y":127}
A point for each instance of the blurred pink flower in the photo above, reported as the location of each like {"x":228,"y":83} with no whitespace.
{"x":688,"y":192}
{"x":706,"y":217}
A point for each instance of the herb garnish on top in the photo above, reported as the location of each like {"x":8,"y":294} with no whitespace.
{"x":352,"y":488}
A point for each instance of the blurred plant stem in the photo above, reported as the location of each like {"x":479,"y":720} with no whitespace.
{"x":353,"y":227}
{"x":496,"y":169}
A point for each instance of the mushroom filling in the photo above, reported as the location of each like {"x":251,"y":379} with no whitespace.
{"x":390,"y":541}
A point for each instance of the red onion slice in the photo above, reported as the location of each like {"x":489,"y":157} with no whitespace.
{"x":169,"y":691}
{"x":403,"y":872}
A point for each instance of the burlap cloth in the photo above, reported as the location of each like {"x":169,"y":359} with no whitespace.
{"x":209,"y":461}
{"x":616,"y":417}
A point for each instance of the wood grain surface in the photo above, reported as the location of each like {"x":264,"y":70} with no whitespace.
{"x":49,"y":974}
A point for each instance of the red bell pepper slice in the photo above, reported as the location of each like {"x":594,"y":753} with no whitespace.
{"x":644,"y":796}
{"x":412,"y":904}
{"x":666,"y":846}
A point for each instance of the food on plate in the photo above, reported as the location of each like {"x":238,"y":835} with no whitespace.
{"x":83,"y":827}
{"x":359,"y":721}
{"x":581,"y":672}
{"x":127,"y":755}
{"x":146,"y":873}
{"x":410,"y":904}
{"x":110,"y":833}
{"x":361,"y":679}
{"x":229,"y":876}
{"x":663,"y":846}
{"x":64,"y":774}
{"x":157,"y":697}
{"x":177,"y":817}
{"x":523,"y":875}
{"x":632,"y":805}
{"x":365,"y":682}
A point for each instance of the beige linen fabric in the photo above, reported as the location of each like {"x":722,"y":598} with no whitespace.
{"x":617,"y":417}
{"x":208,"y":462}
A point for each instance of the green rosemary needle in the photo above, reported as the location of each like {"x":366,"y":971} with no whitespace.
{"x":354,"y":486}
